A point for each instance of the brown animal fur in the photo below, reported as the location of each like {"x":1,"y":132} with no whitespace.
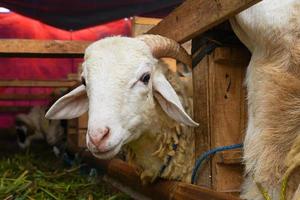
{"x":273,"y":82}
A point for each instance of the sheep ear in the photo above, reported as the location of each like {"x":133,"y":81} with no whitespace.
{"x":70,"y":106}
{"x":169,"y":101}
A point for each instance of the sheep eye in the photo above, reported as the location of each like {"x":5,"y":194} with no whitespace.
{"x":145,"y":78}
{"x":83,"y":81}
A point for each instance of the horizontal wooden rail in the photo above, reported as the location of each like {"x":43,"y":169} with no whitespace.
{"x":42,"y":48}
{"x":31,"y":83}
{"x":9,"y":97}
{"x":230,"y":157}
{"x":169,"y":190}
{"x":14,"y":109}
{"x":146,"y":20}
{"x":194,"y":17}
{"x":224,"y":55}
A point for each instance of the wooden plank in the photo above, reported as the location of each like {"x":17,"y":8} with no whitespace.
{"x":169,"y":190}
{"x":230,"y":157}
{"x":10,"y":97}
{"x":7,"y":134}
{"x":83,"y":121}
{"x":146,"y":20}
{"x":201,"y":114}
{"x":72,"y":131}
{"x":73,"y":123}
{"x":194,"y":17}
{"x":82,"y":129}
{"x":14,"y":109}
{"x":42,"y":48}
{"x":231,"y":57}
{"x":31,"y":83}
{"x":74,"y":76}
{"x":82,"y":138}
{"x":141,"y":25}
{"x":193,"y":192}
{"x":72,"y":139}
{"x":227,"y":105}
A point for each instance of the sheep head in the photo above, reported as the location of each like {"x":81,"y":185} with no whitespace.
{"x":122,"y":86}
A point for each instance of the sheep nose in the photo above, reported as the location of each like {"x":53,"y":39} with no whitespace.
{"x":98,"y":137}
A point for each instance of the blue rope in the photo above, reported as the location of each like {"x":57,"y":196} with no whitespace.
{"x":169,"y":158}
{"x":206,"y":155}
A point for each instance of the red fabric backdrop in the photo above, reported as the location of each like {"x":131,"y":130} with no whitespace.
{"x":77,"y":14}
{"x":13,"y":25}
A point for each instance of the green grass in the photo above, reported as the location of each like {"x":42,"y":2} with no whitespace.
{"x":41,"y":176}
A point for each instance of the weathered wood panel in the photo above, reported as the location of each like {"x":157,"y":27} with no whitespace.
{"x":197,"y":16}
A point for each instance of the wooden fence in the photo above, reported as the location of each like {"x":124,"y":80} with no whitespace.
{"x":219,"y":98}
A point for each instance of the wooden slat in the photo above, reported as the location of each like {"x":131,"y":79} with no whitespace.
{"x":141,"y":25}
{"x":82,"y":138}
{"x":42,"y":48}
{"x":196,"y":16}
{"x":229,"y":157}
{"x":82,"y":124}
{"x":72,"y":131}
{"x":227,"y":117}
{"x":230,"y":57}
{"x":169,"y":190}
{"x":10,"y":109}
{"x":74,"y":76}
{"x":30,"y":83}
{"x":201,"y":114}
{"x":83,"y":121}
{"x":73,"y":123}
{"x":24,"y":96}
{"x":146,"y":20}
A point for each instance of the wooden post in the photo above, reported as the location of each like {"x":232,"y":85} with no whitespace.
{"x":220,"y":108}
{"x":201,"y":115}
{"x":194,"y":17}
{"x":227,"y":111}
{"x":82,"y":128}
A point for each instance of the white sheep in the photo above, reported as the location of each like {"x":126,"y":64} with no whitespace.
{"x":34,"y":126}
{"x":271,"y":31}
{"x":131,"y":100}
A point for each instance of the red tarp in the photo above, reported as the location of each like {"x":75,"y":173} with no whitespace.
{"x":16,"y":26}
{"x":77,"y":14}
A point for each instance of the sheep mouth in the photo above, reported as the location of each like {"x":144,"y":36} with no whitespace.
{"x":108,"y":154}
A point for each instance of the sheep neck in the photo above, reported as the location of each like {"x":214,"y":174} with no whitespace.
{"x":155,"y":146}
{"x":153,"y":149}
{"x":274,"y":113}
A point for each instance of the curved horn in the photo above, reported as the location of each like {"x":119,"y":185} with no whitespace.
{"x":165,"y":47}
